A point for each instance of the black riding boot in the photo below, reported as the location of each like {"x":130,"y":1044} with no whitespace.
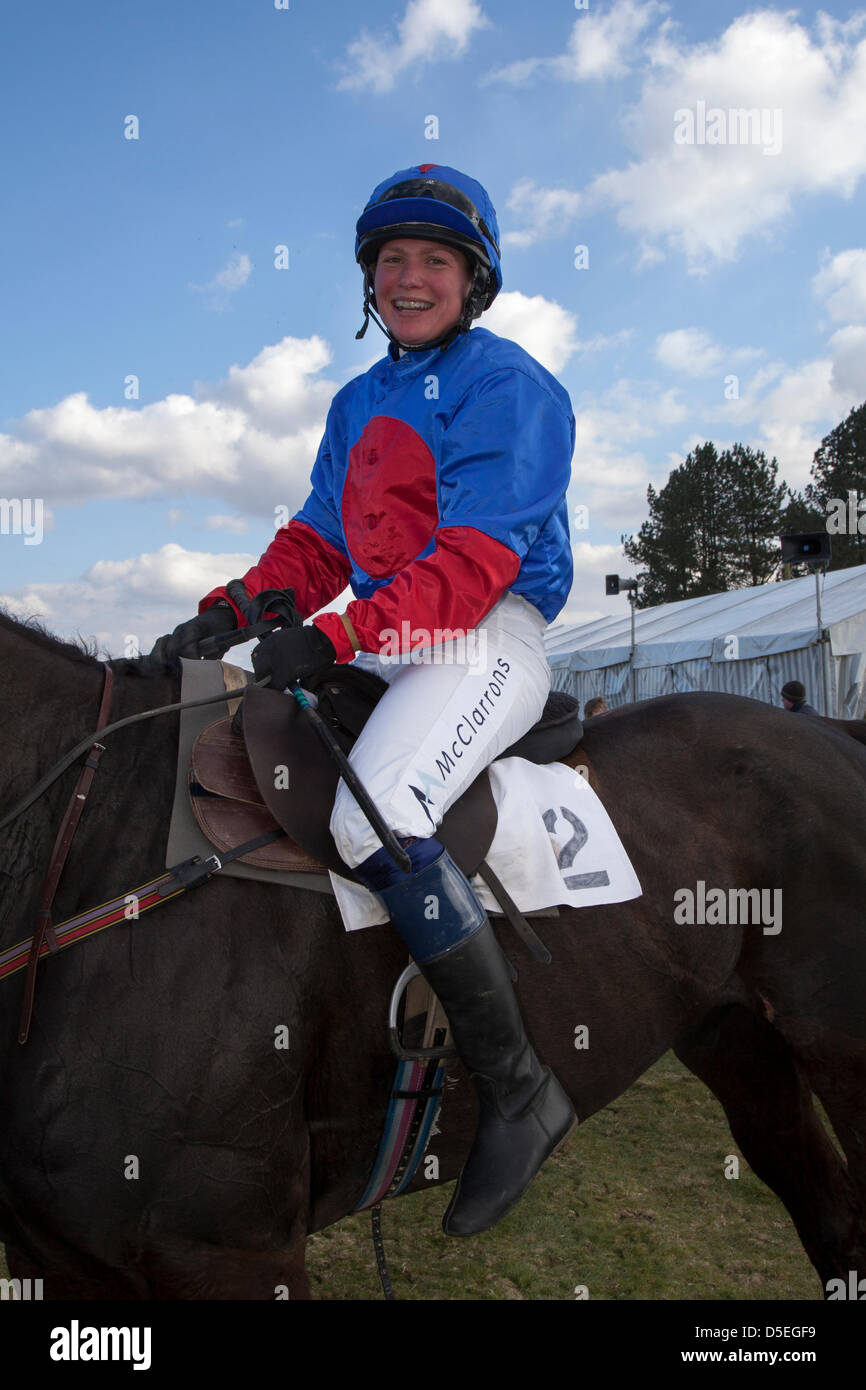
{"x":524,"y":1112}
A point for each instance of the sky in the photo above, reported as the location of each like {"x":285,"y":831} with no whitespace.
{"x":680,"y":193}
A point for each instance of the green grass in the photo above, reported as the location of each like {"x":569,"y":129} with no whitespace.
{"x":634,"y":1206}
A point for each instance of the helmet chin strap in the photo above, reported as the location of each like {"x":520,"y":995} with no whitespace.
{"x":463,"y":324}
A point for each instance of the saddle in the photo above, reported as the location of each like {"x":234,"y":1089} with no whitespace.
{"x":278,"y":773}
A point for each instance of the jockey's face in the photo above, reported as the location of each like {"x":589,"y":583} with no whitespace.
{"x":421,"y":287}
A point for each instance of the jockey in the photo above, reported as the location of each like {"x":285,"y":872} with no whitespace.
{"x":438,"y":493}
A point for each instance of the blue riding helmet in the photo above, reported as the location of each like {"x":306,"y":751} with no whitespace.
{"x":432,"y":202}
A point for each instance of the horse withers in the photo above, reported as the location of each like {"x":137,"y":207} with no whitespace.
{"x":158,"y":1143}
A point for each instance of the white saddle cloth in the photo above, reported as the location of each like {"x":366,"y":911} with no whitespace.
{"x":555,"y":845}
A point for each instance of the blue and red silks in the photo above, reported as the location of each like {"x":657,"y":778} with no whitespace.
{"x":439,"y":484}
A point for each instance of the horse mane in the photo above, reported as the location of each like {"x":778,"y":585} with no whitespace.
{"x":80,"y":651}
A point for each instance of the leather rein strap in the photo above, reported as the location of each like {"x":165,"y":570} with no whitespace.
{"x":44,"y":930}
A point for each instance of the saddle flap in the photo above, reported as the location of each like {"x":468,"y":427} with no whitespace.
{"x":220,"y":764}
{"x":555,"y":736}
{"x":227,"y":824}
{"x":297,"y":780}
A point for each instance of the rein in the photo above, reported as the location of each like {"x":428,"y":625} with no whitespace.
{"x":44,"y":939}
{"x":62,"y":844}
{"x":69,"y":758}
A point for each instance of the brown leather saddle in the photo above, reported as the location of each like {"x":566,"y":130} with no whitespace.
{"x":279,"y":774}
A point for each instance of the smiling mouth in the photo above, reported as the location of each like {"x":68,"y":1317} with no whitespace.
{"x":411,"y":306}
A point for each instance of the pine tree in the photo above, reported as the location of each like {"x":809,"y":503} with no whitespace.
{"x":839,"y":467}
{"x":714,"y":526}
{"x":754,"y":515}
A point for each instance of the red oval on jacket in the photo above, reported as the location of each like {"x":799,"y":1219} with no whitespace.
{"x":388,"y":505}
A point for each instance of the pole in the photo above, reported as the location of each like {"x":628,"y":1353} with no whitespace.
{"x":632,"y":598}
{"x":823,"y":644}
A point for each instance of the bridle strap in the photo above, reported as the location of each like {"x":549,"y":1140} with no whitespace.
{"x":74,"y":753}
{"x":43,"y":929}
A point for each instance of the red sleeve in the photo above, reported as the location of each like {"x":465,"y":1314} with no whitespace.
{"x":452,"y":589}
{"x":297,"y":558}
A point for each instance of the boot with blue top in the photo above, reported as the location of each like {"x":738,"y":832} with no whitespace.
{"x":524,"y":1114}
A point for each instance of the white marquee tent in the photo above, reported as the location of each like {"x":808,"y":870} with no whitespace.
{"x":747,"y":642}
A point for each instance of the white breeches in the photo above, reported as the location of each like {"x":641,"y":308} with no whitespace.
{"x":450,"y":710}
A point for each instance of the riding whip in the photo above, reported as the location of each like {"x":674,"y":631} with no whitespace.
{"x":282,"y":603}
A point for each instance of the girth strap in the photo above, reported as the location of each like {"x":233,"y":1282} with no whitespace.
{"x":533,"y":943}
{"x":65,"y":834}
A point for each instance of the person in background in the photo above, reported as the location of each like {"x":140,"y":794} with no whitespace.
{"x":597,"y":705}
{"x":794,"y":698}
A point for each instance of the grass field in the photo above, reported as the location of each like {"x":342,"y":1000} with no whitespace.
{"x":636,"y":1205}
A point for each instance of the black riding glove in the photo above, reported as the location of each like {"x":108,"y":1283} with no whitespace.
{"x":186,"y":636}
{"x":293,"y":653}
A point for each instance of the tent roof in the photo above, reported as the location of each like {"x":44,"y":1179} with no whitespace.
{"x":779,"y":617}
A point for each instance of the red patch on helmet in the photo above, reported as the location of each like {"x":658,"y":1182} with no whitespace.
{"x":388,"y":505}
{"x":425,"y":168}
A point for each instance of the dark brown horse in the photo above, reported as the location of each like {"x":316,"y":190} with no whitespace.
{"x":156,"y":1144}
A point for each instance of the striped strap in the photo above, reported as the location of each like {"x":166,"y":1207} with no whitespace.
{"x":415,"y":1102}
{"x":128,"y":907}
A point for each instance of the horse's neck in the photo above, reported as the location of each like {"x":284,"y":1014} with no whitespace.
{"x":33,"y":672}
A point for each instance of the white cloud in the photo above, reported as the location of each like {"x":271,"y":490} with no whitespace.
{"x":170,"y":574}
{"x":693,"y":352}
{"x":429,"y":30}
{"x":546,"y":210}
{"x":794,"y":416}
{"x":784,"y":410}
{"x":703,"y":200}
{"x":602,"y":44}
{"x":228,"y":280}
{"x":238,"y":524}
{"x":546,"y":330}
{"x":30,"y":604}
{"x":251,"y":438}
{"x":599,"y":342}
{"x":848,"y":377}
{"x":587,"y":600}
{"x":689,"y":351}
{"x":609,"y":473}
{"x":124,"y":605}
{"x":234,"y":273}
{"x":278,"y":385}
{"x":517,"y":74}
{"x":841,"y":283}
{"x":139,"y":597}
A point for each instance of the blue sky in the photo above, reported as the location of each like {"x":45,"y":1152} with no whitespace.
{"x":735,"y":255}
